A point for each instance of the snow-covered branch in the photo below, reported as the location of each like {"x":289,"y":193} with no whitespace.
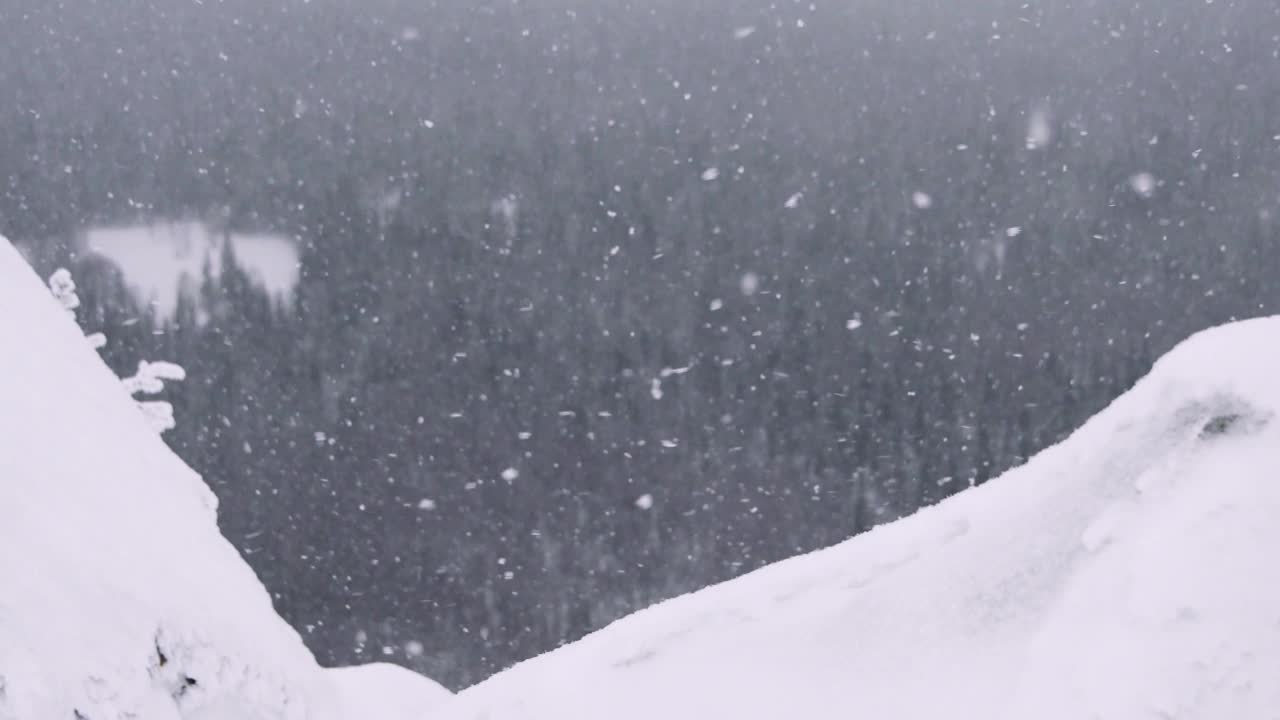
{"x":150,"y":377}
{"x":149,"y":380}
{"x":64,"y":290}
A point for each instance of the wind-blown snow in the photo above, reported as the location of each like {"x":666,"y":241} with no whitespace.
{"x":158,"y":260}
{"x":118,"y":597}
{"x":1128,"y":572}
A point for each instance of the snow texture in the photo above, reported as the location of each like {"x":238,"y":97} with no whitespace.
{"x":118,"y":597}
{"x":1127,"y":572}
{"x":382,"y":691}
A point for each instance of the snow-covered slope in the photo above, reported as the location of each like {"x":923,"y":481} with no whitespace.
{"x":1129,"y":572}
{"x":382,"y":691}
{"x":118,"y":596}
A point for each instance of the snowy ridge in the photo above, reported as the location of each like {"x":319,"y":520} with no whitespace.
{"x":118,"y":596}
{"x":383,"y":691}
{"x":1127,"y":572}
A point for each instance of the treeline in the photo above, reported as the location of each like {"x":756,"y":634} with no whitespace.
{"x":602,"y":303}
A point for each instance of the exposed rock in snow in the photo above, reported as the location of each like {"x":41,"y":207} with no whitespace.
{"x":1128,"y":572}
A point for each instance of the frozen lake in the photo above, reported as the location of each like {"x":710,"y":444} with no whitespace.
{"x":157,"y":259}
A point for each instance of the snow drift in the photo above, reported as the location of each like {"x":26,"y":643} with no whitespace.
{"x":1128,"y":572}
{"x":382,"y":691}
{"x":118,"y":596}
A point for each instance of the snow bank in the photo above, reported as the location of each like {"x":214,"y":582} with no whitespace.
{"x":1128,"y":572}
{"x":118,"y":596}
{"x":382,"y":691}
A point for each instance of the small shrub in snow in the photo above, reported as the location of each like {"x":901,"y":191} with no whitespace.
{"x":149,"y":380}
{"x":150,"y":377}
{"x":64,"y":290}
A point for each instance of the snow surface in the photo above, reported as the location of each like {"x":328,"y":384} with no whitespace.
{"x":1128,"y":572}
{"x":159,"y":259}
{"x":383,"y":691}
{"x":118,"y":596}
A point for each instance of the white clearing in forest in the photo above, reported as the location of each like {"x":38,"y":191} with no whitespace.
{"x":163,"y":259}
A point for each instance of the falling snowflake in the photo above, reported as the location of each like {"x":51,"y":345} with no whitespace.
{"x":1039,"y":132}
{"x":921,"y":200}
{"x":1143,"y":183}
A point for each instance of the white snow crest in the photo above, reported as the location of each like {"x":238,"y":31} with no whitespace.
{"x":382,"y":691}
{"x":1126,"y":572}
